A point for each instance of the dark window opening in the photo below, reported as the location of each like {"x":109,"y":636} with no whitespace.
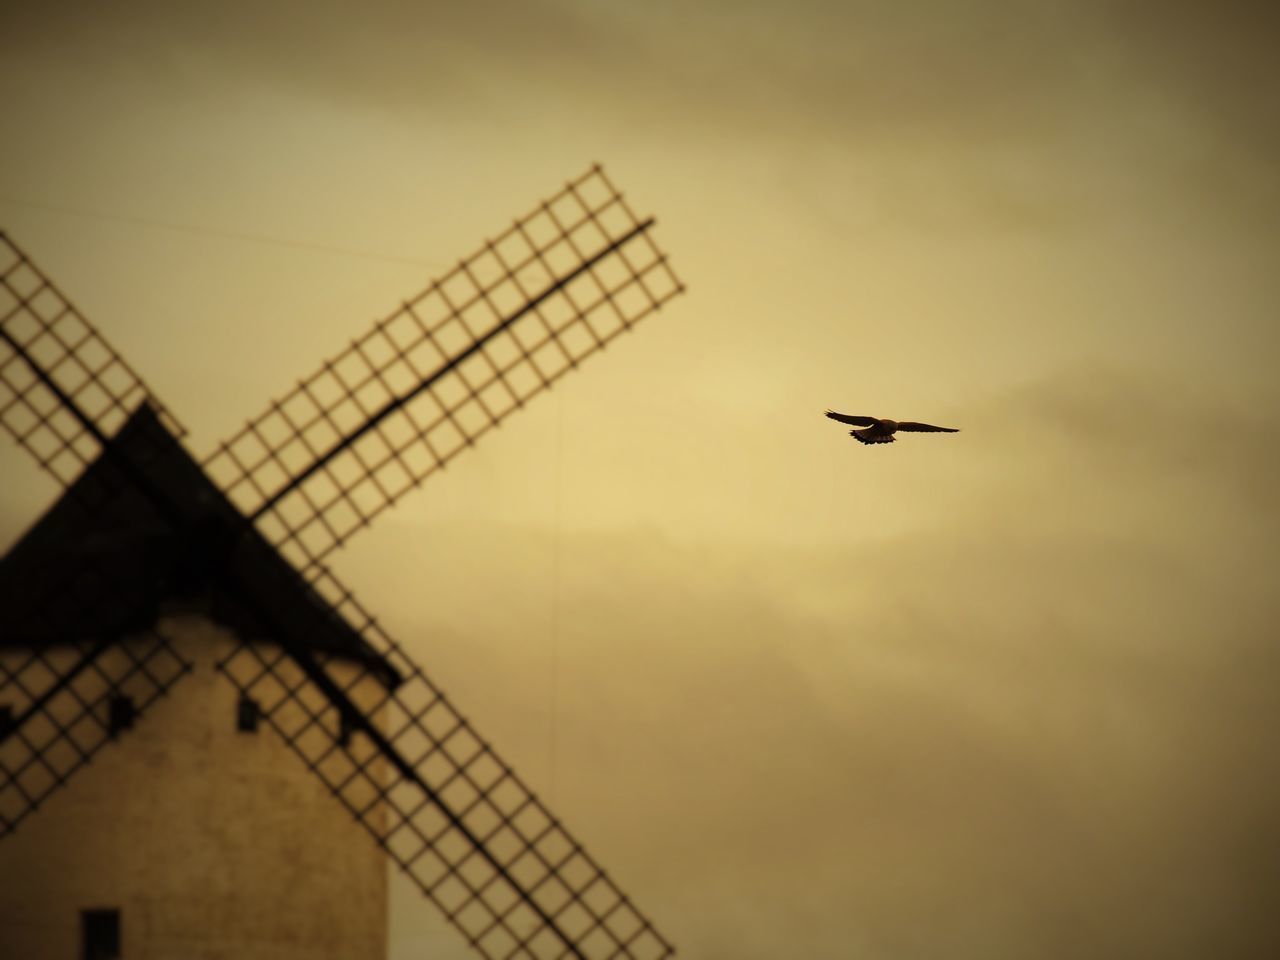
{"x":6,"y":720}
{"x":345,"y":729}
{"x":100,"y":934}
{"x":120,"y":714}
{"x":247,"y":715}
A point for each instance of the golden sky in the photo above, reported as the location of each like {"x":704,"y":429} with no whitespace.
{"x":1007,"y":693}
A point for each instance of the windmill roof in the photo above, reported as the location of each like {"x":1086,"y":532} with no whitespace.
{"x":142,"y":532}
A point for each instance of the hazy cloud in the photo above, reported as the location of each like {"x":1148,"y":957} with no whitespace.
{"x":1038,"y":726}
{"x":1006,"y":693}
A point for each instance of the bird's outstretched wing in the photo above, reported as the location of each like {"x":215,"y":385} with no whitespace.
{"x":856,"y":421}
{"x":912,"y":427}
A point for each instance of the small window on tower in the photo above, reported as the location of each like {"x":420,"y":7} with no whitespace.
{"x":120,"y":714}
{"x":345,"y":729}
{"x":6,"y":719}
{"x":247,"y":715}
{"x":100,"y":934}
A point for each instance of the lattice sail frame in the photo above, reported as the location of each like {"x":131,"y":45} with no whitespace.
{"x":83,"y":372}
{"x":447,"y":366}
{"x":53,"y":363}
{"x":59,"y":698}
{"x":451,"y":814}
{"x":461,"y":825}
{"x":346,"y":444}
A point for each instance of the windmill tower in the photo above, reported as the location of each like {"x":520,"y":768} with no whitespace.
{"x":230,"y":723}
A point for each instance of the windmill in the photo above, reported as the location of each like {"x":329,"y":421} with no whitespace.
{"x":155,"y":573}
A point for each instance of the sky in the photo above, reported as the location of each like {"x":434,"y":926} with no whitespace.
{"x":1008,"y":692}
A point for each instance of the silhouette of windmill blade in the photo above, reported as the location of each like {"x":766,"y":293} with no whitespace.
{"x":54,"y":363}
{"x":89,"y":665}
{"x":66,"y":701}
{"x":341,"y":448}
{"x":438,"y":373}
{"x":448,"y":810}
{"x":344,"y":446}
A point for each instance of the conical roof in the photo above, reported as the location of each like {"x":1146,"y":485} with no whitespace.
{"x":143,"y":531}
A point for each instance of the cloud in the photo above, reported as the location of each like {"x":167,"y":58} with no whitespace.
{"x":1033,"y":727}
{"x":989,"y":70}
{"x":1031,"y":721}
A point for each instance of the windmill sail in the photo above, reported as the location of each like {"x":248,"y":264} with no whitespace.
{"x":427,"y":381}
{"x":320,"y":464}
{"x":345,"y":445}
{"x":63,"y":388}
{"x":456,"y":819}
{"x":83,"y":669}
{"x":62,"y":708}
{"x":85,"y":664}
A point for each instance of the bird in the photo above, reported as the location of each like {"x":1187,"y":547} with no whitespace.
{"x":882,"y":431}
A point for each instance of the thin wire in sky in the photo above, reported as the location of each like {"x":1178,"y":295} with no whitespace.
{"x":200,"y":230}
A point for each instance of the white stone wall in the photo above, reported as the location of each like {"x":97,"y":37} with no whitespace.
{"x":212,"y":843}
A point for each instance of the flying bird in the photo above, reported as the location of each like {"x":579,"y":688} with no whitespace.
{"x":882,"y":431}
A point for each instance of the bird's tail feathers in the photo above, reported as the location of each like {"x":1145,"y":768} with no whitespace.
{"x":870,"y":435}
